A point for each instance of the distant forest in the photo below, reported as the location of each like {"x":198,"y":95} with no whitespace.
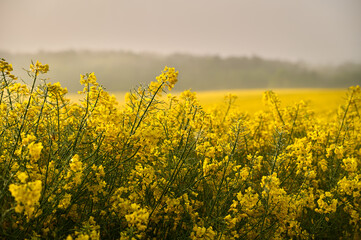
{"x":122,"y":71}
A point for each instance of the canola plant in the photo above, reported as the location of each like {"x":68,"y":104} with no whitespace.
{"x":159,"y":168}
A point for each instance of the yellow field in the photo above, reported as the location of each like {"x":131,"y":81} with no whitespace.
{"x":155,"y":169}
{"x":322,"y":101}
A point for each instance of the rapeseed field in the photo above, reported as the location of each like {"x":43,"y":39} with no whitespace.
{"x":162,"y":166}
{"x":321,"y":101}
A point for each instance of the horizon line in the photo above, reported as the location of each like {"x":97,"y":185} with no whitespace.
{"x":184,"y":53}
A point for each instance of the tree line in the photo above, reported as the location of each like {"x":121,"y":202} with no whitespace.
{"x":123,"y":70}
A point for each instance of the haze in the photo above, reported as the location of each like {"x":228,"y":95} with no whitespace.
{"x":317,"y":32}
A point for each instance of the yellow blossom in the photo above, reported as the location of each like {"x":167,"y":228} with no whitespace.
{"x":27,"y":196}
{"x":35,"y":150}
{"x":39,"y":68}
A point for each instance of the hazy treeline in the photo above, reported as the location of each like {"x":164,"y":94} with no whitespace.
{"x":122,"y":71}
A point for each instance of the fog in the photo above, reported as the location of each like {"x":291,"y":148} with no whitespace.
{"x":316,"y":32}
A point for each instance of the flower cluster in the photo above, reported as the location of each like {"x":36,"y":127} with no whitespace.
{"x":6,"y":69}
{"x":39,"y":68}
{"x":26,"y":195}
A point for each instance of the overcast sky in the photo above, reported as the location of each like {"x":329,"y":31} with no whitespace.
{"x":315,"y":31}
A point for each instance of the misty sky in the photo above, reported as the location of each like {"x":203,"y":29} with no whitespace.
{"x":315,"y":31}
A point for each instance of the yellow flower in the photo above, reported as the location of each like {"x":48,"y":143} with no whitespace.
{"x":202,"y":233}
{"x":69,"y":237}
{"x":65,"y":202}
{"x":39,"y":68}
{"x":138,"y":218}
{"x":75,"y":164}
{"x":82,"y":237}
{"x":88,"y":79}
{"x":22,"y":177}
{"x":169,"y":76}
{"x":26,"y":196}
{"x":6,"y":68}
{"x":350,"y":165}
{"x":35,"y":150}
{"x":29,"y":138}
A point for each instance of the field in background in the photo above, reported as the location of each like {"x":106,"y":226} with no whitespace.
{"x":322,"y":101}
